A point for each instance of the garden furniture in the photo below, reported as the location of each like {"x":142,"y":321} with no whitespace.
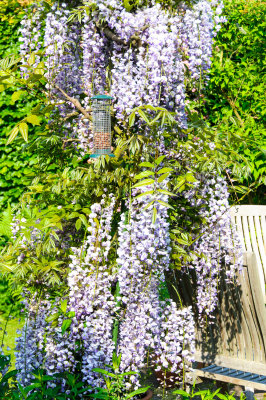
{"x":236,"y":352}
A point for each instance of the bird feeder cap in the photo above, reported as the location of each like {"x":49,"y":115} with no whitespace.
{"x":102,"y":97}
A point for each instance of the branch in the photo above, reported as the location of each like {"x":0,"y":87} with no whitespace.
{"x":134,"y":40}
{"x":73,"y":114}
{"x":80,"y":108}
{"x":75,"y":102}
{"x":112,"y":36}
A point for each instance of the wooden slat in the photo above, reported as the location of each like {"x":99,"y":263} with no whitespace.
{"x":232,"y":362}
{"x":248,"y":209}
{"x":244,"y":220}
{"x":259,"y":221}
{"x":259,"y":300}
{"x":263,"y":229}
{"x":240,"y":231}
{"x":230,"y":379}
{"x":231,"y":344}
{"x":255,"y":248}
{"x":247,"y":319}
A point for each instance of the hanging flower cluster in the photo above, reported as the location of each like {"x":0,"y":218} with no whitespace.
{"x":176,"y":347}
{"x":31,"y":35}
{"x":218,"y":246}
{"x":62,"y":53}
{"x":30,"y":344}
{"x":89,"y":341}
{"x":146,"y":322}
{"x":144,"y":64}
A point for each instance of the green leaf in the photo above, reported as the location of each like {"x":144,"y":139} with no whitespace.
{"x":136,"y":392}
{"x":145,"y":194}
{"x":132,"y":117}
{"x":159,"y":160}
{"x":52,"y":318}
{"x":164,"y":170}
{"x":78,"y":224}
{"x":144,"y":174}
{"x":63,"y":306}
{"x":33,"y":119}
{"x":31,"y":59}
{"x":163,"y":177}
{"x":145,"y":182}
{"x":154,"y":215}
{"x":71,"y":314}
{"x":190,"y":177}
{"x":147,"y":164}
{"x":163,"y":203}
{"x":166,"y":192}
{"x":65,"y":325}
{"x":144,"y":116}
{"x":183,"y":393}
{"x":104,"y":372}
{"x":83,"y":219}
{"x":16,"y":95}
{"x":12,"y":135}
{"x":23,"y":128}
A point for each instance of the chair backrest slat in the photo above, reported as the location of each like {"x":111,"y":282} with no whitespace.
{"x":251,"y":227}
{"x":259,"y":222}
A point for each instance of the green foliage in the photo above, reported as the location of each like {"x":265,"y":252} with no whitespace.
{"x":40,"y":388}
{"x":10,"y":297}
{"x":16,"y":166}
{"x":235,"y":97}
{"x":206,"y":394}
{"x":114,"y":382}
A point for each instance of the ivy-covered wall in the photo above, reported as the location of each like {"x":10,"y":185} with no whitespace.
{"x":16,"y":165}
{"x":235,"y":97}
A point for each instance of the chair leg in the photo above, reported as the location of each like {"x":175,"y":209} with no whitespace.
{"x":249,"y":392}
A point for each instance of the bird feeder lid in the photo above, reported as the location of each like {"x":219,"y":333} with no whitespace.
{"x":102,"y":97}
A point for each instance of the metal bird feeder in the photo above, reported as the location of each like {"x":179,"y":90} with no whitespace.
{"x":101,"y":119}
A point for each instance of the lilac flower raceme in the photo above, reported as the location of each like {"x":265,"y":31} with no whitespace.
{"x":143,"y":252}
{"x":218,"y":243}
{"x":30,"y":344}
{"x":89,"y":341}
{"x":62,"y":53}
{"x":31,"y":35}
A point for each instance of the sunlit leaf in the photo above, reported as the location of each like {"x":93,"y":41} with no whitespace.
{"x":23,"y":128}
{"x":12,"y":135}
{"x":145,"y":182}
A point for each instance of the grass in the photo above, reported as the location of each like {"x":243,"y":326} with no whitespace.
{"x":8,"y":335}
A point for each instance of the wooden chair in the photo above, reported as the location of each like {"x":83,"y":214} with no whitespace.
{"x":235,"y":348}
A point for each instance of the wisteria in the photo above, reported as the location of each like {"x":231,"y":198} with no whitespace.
{"x":140,"y":56}
{"x":91,"y":301}
{"x":176,"y":347}
{"x":62,"y":53}
{"x":218,"y":246}
{"x":147,"y":323}
{"x":31,"y":35}
{"x":30,"y":342}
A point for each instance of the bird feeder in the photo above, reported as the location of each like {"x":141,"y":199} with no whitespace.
{"x":101,"y":120}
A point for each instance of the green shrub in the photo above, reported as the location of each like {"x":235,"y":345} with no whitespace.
{"x":235,"y":97}
{"x":16,"y":165}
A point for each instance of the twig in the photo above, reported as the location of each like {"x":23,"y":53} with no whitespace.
{"x":73,"y":114}
{"x":134,"y":40}
{"x":75,"y":102}
{"x":80,"y":108}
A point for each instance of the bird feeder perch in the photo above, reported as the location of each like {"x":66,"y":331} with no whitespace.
{"x":101,"y":120}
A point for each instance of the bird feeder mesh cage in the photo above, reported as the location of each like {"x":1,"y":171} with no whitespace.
{"x":101,"y":119}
